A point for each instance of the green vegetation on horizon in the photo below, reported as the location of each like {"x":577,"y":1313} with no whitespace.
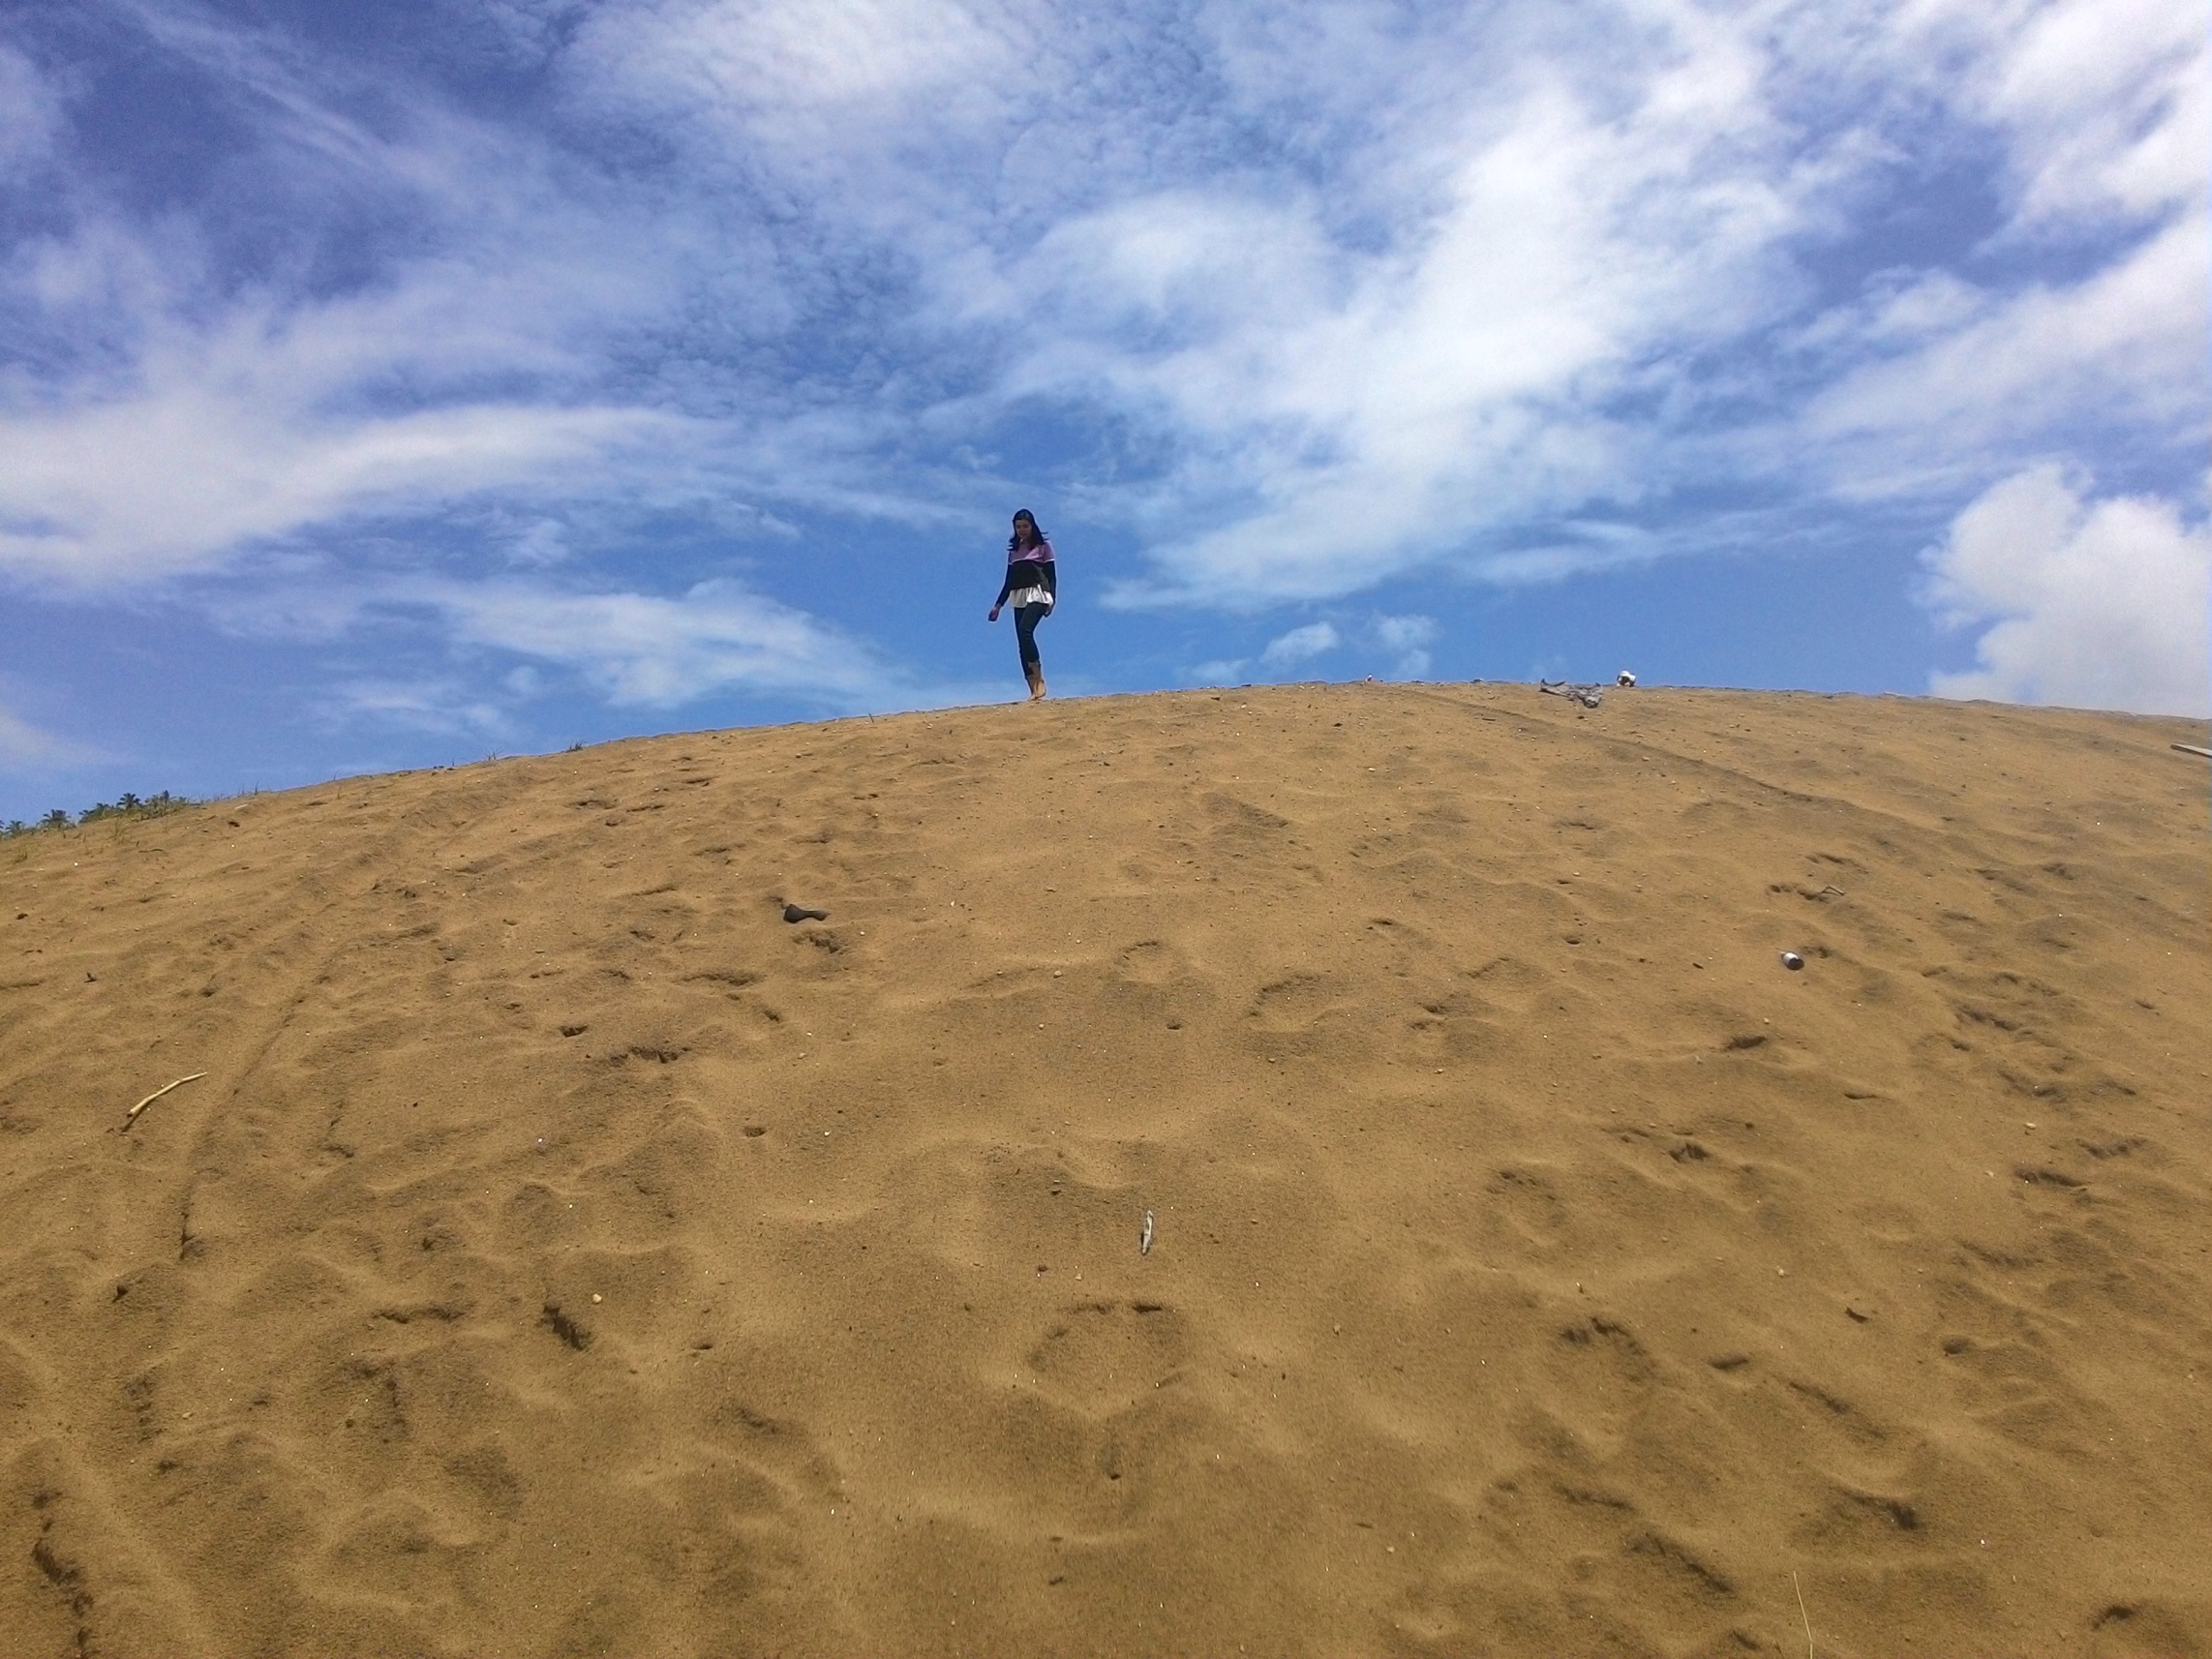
{"x":125,"y":806}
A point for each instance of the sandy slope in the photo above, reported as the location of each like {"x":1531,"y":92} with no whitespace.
{"x":563,"y":1253}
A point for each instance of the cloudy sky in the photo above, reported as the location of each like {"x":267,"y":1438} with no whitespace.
{"x":382,"y":385}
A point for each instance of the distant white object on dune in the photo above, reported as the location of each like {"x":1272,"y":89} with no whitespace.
{"x":1627,"y":678}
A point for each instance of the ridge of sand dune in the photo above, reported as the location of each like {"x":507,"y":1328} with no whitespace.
{"x":565,"y":1254}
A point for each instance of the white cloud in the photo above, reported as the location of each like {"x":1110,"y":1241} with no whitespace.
{"x":2093,"y":604}
{"x":2128,"y":339}
{"x":750,"y":64}
{"x":632,"y":649}
{"x":443,"y":705}
{"x":2105,"y":111}
{"x":523,"y":326}
{"x":1300,"y":644}
{"x":30,"y":115}
{"x":1407,"y":639}
{"x":23,"y":744}
{"x":543,"y":542}
{"x":1361,"y":412}
{"x":2108,"y":106}
{"x":645,"y":649}
{"x":1618,"y":235}
{"x":185,"y":474}
{"x":178,"y":417}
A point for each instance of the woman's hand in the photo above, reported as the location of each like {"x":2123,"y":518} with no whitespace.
{"x":993,"y":616}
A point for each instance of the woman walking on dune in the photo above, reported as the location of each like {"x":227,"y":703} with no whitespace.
{"x":1030,"y":584}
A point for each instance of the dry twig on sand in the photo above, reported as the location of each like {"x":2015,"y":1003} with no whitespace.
{"x":131,"y":1116}
{"x":1802,"y":1613}
{"x":2193,"y":749}
{"x":1589,"y":695}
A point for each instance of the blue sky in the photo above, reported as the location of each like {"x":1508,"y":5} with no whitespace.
{"x":386,"y":385}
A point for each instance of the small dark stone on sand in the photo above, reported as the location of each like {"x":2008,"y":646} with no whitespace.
{"x":800,"y":913}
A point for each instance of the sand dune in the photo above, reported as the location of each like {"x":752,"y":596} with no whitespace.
{"x":563,"y":1253}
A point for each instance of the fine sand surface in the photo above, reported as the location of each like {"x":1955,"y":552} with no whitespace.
{"x":563,"y":1253}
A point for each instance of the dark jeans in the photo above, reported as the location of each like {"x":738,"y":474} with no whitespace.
{"x":1025,"y":620}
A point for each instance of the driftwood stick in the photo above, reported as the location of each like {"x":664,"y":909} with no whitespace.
{"x":2193,"y":749}
{"x":131,"y":1116}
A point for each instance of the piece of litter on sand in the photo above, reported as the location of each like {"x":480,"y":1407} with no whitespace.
{"x":1144,"y":1236}
{"x":1589,"y":695}
{"x":800,"y":913}
{"x":1625,"y":679}
{"x":131,"y":1116}
{"x":2193,"y":749}
{"x":1792,"y":960}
